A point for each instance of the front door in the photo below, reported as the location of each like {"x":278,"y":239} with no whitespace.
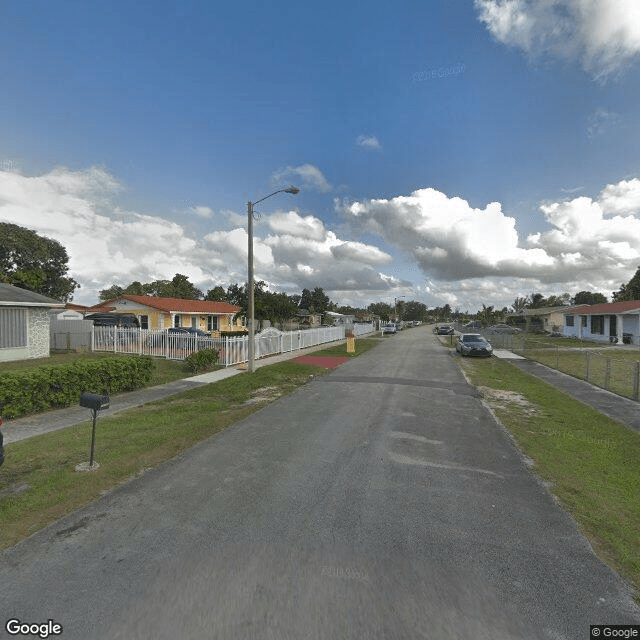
{"x":612,"y":326}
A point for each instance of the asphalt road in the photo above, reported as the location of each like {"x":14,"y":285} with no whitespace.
{"x":379,"y":501}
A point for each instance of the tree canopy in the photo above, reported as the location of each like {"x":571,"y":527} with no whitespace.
{"x":629,"y":291}
{"x":178,"y":287}
{"x":36,"y":263}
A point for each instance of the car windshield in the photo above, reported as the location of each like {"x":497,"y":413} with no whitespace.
{"x":472,"y":338}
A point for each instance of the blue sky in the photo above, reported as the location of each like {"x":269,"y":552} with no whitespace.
{"x":458,"y":152}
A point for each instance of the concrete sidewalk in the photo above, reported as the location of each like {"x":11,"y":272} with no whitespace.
{"x":35,"y":425}
{"x":614,"y":406}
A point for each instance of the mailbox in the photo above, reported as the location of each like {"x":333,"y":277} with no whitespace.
{"x":94,"y":401}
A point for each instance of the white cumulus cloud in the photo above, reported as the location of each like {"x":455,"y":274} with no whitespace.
{"x":368,"y":142}
{"x":312,"y":178}
{"x":603,"y":35}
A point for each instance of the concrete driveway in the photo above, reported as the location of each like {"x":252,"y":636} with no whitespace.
{"x":379,"y":501}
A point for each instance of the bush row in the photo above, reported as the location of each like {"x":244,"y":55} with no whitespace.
{"x":49,"y":387}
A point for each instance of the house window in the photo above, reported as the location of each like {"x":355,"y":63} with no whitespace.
{"x":13,"y":328}
{"x":212,"y":323}
{"x":597,"y":324}
{"x":569,"y":321}
{"x":144,"y":322}
{"x":584,"y":322}
{"x":176,"y":321}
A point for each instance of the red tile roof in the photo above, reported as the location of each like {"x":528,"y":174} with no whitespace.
{"x":178,"y":305}
{"x":607,"y":307}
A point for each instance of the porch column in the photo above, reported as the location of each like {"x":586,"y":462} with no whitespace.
{"x":619,"y":327}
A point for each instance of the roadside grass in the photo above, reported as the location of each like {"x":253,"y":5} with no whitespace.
{"x":126,"y":445}
{"x":590,"y":461}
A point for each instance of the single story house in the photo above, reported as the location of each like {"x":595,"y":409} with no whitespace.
{"x":307,"y":319}
{"x":24,"y":323}
{"x":542,"y":318}
{"x":162,"y":313}
{"x":604,"y":321}
{"x":334,"y":318}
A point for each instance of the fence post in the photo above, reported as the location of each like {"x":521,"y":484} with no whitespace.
{"x":636,"y":381}
{"x":588,"y":362}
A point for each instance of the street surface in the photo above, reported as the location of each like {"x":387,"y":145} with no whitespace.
{"x":379,"y":501}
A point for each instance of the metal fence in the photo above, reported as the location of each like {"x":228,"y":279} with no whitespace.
{"x":70,"y":335}
{"x":231,"y":349}
{"x":617,"y":374}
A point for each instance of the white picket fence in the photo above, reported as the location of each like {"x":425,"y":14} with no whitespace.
{"x":232,"y":350}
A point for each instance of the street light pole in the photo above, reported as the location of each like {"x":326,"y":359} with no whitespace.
{"x":251,"y":365}
{"x":395,"y":305}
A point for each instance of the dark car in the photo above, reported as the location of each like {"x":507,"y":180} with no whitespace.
{"x":503,"y":328}
{"x":444,"y":330}
{"x":122,"y":320}
{"x":473,"y":344}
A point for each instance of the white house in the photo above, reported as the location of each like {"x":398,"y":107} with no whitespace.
{"x":24,"y":323}
{"x":606,"y":322}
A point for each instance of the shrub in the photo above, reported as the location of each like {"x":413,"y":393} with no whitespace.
{"x":48,"y":387}
{"x":201,"y":360}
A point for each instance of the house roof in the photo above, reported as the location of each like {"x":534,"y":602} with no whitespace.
{"x":173,"y":305}
{"x":625,"y":306}
{"x":15,"y":296}
{"x":541,"y":311}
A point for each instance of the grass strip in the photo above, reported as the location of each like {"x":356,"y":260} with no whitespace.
{"x":126,"y":445}
{"x":590,"y":460}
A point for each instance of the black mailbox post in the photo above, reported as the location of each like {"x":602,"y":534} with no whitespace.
{"x":95,"y":402}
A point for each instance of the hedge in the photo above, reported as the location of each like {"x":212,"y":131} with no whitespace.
{"x":201,"y":360}
{"x":50,"y":387}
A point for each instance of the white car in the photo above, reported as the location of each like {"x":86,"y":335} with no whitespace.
{"x":389,"y":328}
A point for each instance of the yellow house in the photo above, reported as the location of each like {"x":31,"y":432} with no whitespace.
{"x":162,"y":313}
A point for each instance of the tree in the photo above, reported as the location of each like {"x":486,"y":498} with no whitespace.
{"x":414,"y":310}
{"x":629,"y":291}
{"x":114,"y":291}
{"x":178,"y":287}
{"x":537,"y":300}
{"x":520,"y":303}
{"x":32,"y":262}
{"x":315,"y":301}
{"x":588,"y":297}
{"x":217,"y":294}
{"x":381,"y":309}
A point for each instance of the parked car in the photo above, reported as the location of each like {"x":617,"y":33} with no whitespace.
{"x":444,"y":330}
{"x":473,"y":344}
{"x":389,"y":328}
{"x":122,"y":320}
{"x":503,"y":328}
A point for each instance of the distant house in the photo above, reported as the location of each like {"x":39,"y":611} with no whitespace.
{"x":307,"y":319}
{"x":331,"y":317}
{"x":543,"y":318}
{"x":602,"y":322}
{"x":24,"y":323}
{"x":162,"y":313}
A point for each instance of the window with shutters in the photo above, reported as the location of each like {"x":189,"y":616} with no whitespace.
{"x":13,"y":328}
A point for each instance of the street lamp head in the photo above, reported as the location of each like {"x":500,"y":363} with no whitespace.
{"x":292,"y":189}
